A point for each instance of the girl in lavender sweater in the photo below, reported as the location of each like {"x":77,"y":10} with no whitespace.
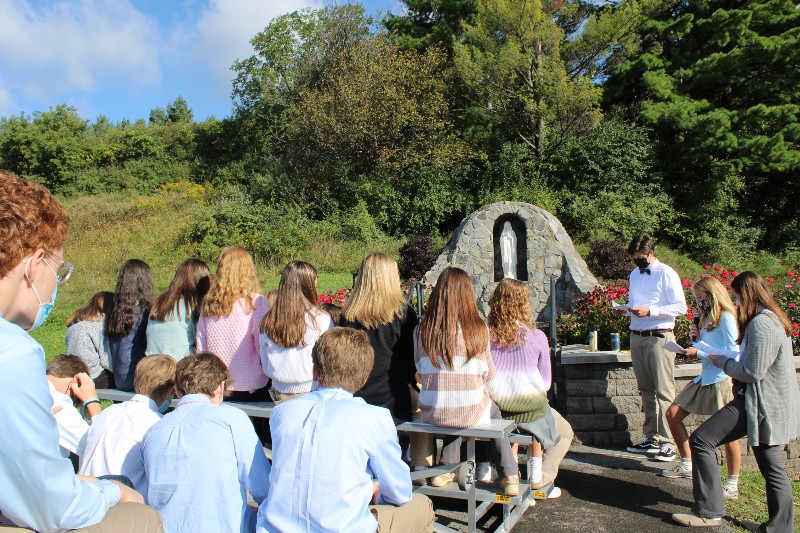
{"x":521,"y":356}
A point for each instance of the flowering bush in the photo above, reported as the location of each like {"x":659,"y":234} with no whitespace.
{"x":337,"y":297}
{"x":594,"y":309}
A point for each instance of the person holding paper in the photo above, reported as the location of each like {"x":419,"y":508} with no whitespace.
{"x":712,"y":389}
{"x":766,"y":400}
{"x":655,"y":299}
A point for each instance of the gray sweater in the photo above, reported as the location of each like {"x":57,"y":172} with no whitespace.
{"x":772,"y":398}
{"x":87,"y":340}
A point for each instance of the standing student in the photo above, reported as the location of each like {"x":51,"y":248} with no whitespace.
{"x":86,"y":339}
{"x":521,"y":356}
{"x":172,"y":327}
{"x":203,"y":458}
{"x":455,"y":365}
{"x":655,"y":299}
{"x":334,"y":455}
{"x":712,"y":389}
{"x":38,"y":488}
{"x":289,"y":331}
{"x":228,"y":327}
{"x":112,"y":445}
{"x":377,"y":306}
{"x":126,"y":323}
{"x":765,"y":407}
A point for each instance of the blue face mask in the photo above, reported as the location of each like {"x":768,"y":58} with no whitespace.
{"x":44,"y":308}
{"x":164,"y":407}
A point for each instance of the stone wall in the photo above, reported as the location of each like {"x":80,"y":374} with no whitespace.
{"x":549,"y":250}
{"x":597,"y":393}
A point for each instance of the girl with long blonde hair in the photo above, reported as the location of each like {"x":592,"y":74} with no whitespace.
{"x":712,"y":389}
{"x":521,"y":356}
{"x":229,"y":323}
{"x":376,"y":305}
{"x":289,"y":331}
{"x":451,"y":352}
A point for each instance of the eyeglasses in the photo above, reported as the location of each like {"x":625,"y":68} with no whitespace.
{"x":64,"y":270}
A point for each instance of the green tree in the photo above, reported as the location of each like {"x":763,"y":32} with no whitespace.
{"x":510,"y":60}
{"x":718,"y":84}
{"x":178,"y":111}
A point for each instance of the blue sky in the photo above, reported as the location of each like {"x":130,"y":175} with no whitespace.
{"x":121,"y":58}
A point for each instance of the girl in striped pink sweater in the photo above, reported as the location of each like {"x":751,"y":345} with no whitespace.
{"x":454,"y":381}
{"x":521,"y":356}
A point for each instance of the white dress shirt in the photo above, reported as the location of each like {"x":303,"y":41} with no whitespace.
{"x":114,"y":441}
{"x":661,"y":292}
{"x":71,"y":425}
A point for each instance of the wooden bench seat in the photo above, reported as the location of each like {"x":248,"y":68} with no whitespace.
{"x":252,"y":409}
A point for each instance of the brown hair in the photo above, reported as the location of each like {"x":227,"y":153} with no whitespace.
{"x":201,"y":373}
{"x":333,"y":311}
{"x":189,"y":285}
{"x":754,"y":293}
{"x":155,"y":375}
{"x":66,"y":366}
{"x":377,"y":296}
{"x":94,"y":310}
{"x":134,"y":294}
{"x":720,"y":301}
{"x":452,"y":306}
{"x":285,"y":323}
{"x":30,"y":218}
{"x":509,"y":310}
{"x":235,"y":279}
{"x":343,"y":359}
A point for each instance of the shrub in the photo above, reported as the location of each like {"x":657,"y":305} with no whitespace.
{"x":608,"y":259}
{"x":417,"y":256}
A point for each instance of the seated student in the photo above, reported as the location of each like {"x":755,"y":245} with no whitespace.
{"x":68,"y":380}
{"x":85,"y":338}
{"x":200,"y":458}
{"x":112,"y":446}
{"x":334,"y":454}
{"x":38,"y":488}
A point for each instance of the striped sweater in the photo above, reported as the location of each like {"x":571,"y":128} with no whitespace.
{"x":457,"y":397}
{"x":523,"y":377}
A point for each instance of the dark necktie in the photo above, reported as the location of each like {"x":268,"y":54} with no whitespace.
{"x":645,"y":271}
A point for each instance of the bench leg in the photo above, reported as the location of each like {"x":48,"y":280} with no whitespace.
{"x":472,"y":499}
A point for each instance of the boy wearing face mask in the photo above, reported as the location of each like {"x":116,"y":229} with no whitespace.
{"x":655,"y":298}
{"x":38,"y":487}
{"x":112,"y":446}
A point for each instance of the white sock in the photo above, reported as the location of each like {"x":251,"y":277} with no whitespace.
{"x":732,"y":482}
{"x":535,"y":475}
{"x":417,"y":468}
{"x":686,"y":461}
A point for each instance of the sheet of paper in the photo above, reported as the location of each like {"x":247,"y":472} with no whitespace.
{"x":673,"y":346}
{"x":615,"y":305}
{"x":711,"y":350}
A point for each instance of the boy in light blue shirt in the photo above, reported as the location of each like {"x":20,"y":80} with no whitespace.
{"x":200,"y":458}
{"x":334,"y":455}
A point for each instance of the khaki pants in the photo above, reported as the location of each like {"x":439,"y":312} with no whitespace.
{"x":555,"y":454}
{"x":414,"y":517}
{"x":655,"y":375}
{"x":122,"y":518}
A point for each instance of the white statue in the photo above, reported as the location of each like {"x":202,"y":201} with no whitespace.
{"x":508,"y":251}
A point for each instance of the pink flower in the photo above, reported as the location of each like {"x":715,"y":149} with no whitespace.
{"x":796,"y":333}
{"x":725,"y":272}
{"x":734,"y":273}
{"x":792,"y":305}
{"x":324,"y":299}
{"x":770,"y":280}
{"x":790,"y":274}
{"x":706,"y":266}
{"x":795,"y":325}
{"x":717,"y":268}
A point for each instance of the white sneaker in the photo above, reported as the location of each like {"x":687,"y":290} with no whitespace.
{"x":680,"y":470}
{"x":554,"y":493}
{"x":731,"y":493}
{"x":485,"y":473}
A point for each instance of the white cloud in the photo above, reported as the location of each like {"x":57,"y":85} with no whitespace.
{"x":60,"y":46}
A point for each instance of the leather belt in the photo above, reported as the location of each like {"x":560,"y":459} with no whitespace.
{"x":651,"y":332}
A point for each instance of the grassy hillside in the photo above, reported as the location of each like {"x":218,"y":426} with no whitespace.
{"x":108,"y":229}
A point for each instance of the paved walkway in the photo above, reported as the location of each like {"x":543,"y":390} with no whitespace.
{"x":604,"y":491}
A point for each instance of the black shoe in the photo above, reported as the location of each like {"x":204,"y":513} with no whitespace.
{"x":646,"y":445}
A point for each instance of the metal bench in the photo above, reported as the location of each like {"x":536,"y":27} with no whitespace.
{"x":466,"y":488}
{"x":252,"y":409}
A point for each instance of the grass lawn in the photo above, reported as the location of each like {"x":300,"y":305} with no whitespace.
{"x":752,"y":502}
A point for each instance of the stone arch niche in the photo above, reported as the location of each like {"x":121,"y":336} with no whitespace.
{"x":544,"y":249}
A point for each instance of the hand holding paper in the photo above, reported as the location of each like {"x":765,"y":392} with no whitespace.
{"x":712,"y":350}
{"x":619,"y":309}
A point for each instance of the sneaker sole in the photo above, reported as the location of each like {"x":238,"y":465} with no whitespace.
{"x":674,"y":476}
{"x":665,"y":459}
{"x":642,"y":452}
